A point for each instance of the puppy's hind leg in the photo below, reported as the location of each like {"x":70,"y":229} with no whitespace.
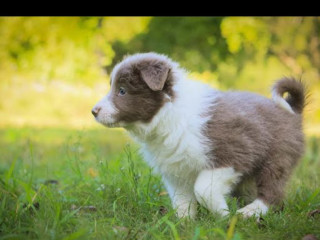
{"x":270,"y":182}
{"x":211,"y":187}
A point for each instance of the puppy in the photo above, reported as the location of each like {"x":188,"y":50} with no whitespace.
{"x":206,"y":143}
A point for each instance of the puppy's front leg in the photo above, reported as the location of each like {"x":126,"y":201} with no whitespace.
{"x":182,"y":197}
{"x":211,"y":187}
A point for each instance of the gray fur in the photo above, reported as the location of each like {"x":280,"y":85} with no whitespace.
{"x":258,"y":138}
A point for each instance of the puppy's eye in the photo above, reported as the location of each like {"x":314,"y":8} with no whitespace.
{"x":122,"y":91}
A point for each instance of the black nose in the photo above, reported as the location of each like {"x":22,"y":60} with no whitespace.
{"x":95,"y":111}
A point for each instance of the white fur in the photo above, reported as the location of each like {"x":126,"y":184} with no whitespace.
{"x":281,"y":102}
{"x":211,"y":187}
{"x":173,"y":142}
{"x":182,"y":197}
{"x":255,"y":208}
{"x":107,"y":111}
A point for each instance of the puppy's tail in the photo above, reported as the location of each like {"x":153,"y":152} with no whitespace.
{"x":294,"y":102}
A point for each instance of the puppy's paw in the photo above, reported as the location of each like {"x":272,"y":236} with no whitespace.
{"x":186,"y":213}
{"x":256,"y":208}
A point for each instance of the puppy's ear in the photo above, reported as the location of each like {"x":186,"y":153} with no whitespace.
{"x":154,"y":74}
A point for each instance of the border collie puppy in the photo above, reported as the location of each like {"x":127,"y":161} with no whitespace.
{"x":206,"y":143}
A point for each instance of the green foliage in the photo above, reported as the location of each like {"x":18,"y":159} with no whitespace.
{"x":248,"y":34}
{"x":91,"y":184}
{"x":70,"y":49}
{"x":62,"y":59}
{"x":204,"y":43}
{"x":195,"y":42}
{"x":49,"y":48}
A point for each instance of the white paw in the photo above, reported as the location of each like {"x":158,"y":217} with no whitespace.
{"x":187,"y":211}
{"x":223,"y":212}
{"x":255,"y":208}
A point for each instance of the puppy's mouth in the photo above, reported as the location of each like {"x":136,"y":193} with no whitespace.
{"x":111,"y":125}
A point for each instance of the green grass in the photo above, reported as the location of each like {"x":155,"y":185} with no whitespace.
{"x":92,"y":184}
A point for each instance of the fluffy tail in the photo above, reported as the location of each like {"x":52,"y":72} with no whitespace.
{"x":294,"y":102}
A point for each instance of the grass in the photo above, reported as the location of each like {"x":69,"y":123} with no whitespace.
{"x":92,"y":184}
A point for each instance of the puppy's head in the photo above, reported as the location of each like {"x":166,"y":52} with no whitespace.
{"x":140,"y":85}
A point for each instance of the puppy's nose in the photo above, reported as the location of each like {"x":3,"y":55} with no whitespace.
{"x":95,"y":111}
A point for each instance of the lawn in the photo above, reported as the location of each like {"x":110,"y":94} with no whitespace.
{"x":92,"y":184}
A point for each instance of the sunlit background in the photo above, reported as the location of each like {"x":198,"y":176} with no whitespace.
{"x":54,"y":69}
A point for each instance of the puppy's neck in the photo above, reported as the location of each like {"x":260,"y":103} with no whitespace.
{"x":144,"y":132}
{"x":186,"y":111}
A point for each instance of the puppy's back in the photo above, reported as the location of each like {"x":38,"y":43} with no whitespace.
{"x":247,"y":130}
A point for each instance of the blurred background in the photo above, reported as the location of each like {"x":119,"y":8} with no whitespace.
{"x":54,"y":69}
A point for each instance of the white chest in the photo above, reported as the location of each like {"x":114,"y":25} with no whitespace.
{"x":173,"y":143}
{"x":178,"y":154}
